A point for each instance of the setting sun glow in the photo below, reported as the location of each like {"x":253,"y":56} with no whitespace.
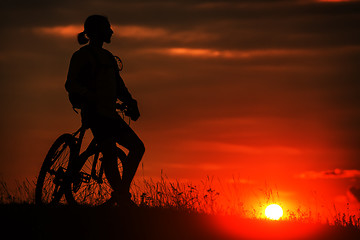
{"x":273,"y":212}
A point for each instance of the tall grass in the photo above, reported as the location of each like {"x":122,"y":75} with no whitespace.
{"x":184,"y":196}
{"x":23,"y":192}
{"x":198,"y":198}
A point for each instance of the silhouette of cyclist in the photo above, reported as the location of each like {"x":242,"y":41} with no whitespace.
{"x":94,"y":81}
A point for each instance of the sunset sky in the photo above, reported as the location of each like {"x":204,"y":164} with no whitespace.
{"x":263,"y":91}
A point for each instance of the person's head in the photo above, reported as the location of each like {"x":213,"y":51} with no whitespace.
{"x":96,"y":28}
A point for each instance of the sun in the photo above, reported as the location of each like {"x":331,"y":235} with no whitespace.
{"x":273,"y":212}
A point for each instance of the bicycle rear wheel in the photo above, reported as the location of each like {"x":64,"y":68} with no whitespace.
{"x":90,"y":186}
{"x":50,"y":183}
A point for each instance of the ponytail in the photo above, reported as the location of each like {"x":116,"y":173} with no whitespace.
{"x":82,"y":39}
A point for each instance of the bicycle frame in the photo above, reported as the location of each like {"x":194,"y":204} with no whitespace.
{"x":78,"y":159}
{"x":68,"y":167}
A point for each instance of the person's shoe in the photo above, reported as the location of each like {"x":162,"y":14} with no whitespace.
{"x":123,"y":199}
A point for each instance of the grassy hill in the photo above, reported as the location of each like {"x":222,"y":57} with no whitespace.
{"x":27,"y":221}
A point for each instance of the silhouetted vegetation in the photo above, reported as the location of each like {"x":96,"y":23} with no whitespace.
{"x":167,"y":210}
{"x":177,"y":195}
{"x":23,"y":192}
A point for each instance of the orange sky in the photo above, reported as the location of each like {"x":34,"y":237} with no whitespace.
{"x":267,"y":91}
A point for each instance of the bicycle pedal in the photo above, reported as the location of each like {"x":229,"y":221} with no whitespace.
{"x":85,"y":177}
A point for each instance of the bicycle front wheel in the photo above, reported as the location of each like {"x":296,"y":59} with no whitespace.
{"x":50,"y":183}
{"x":90,"y":186}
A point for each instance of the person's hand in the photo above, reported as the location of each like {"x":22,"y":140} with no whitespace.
{"x":133,"y":110}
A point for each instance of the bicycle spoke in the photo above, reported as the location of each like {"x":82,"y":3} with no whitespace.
{"x":49,"y":187}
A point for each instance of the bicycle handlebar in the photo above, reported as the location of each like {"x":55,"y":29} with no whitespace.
{"x":121,"y":106}
{"x":124,"y":110}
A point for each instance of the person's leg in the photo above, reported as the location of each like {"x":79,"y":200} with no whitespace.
{"x":103,"y":131}
{"x":128,"y":138}
{"x":110,"y":163}
{"x":136,"y":151}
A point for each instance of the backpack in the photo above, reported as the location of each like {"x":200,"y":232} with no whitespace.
{"x":76,"y":99}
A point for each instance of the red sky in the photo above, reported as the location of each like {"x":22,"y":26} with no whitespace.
{"x":267,"y":91}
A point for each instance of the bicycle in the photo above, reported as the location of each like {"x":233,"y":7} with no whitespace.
{"x":69,"y":175}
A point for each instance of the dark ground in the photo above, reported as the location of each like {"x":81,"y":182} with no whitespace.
{"x":24,"y":221}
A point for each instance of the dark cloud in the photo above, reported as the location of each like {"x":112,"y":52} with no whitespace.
{"x":280,"y":22}
{"x":331,"y":174}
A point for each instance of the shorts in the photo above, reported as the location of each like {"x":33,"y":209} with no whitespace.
{"x":104,"y":128}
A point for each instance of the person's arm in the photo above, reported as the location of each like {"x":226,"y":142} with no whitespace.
{"x":124,"y":95}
